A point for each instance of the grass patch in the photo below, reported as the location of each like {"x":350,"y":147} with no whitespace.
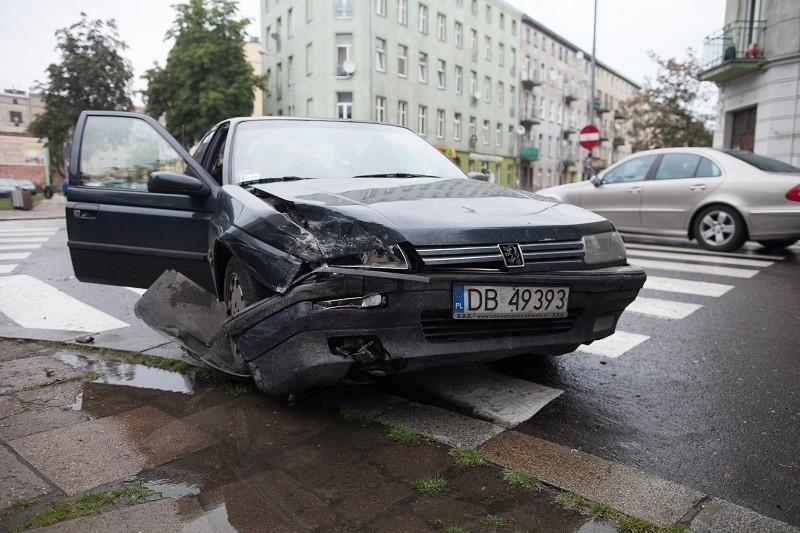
{"x":601,"y":510}
{"x":520,"y":479}
{"x":91,"y":375}
{"x":406,"y":436}
{"x":22,"y":503}
{"x":355,"y":416}
{"x":433,"y":486}
{"x":493,"y":520}
{"x":90,"y":503}
{"x":455,"y":529}
{"x":569,"y":500}
{"x":466,"y":457}
{"x":31,"y":388}
{"x":233,"y":388}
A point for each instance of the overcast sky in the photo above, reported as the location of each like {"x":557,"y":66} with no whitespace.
{"x":626,"y":30}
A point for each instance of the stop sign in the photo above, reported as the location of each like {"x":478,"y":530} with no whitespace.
{"x":589,"y":136}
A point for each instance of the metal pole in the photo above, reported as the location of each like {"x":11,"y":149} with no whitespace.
{"x":592,"y":89}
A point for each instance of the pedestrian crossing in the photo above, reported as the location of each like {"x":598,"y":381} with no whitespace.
{"x":34,"y":304}
{"x":726,"y":268}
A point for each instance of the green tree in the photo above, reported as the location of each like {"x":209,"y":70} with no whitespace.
{"x":207,"y":77}
{"x":91,"y":75}
{"x":668,"y":112}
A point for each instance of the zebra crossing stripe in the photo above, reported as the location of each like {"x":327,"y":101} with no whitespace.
{"x":615,"y":345}
{"x":682,"y":286}
{"x":14,"y":256}
{"x":7,"y":269}
{"x":662,"y":308}
{"x":694,"y":268}
{"x":633,"y":246}
{"x":14,"y":240}
{"x":29,"y":232}
{"x":48,"y":308}
{"x":137,"y":290}
{"x":712,"y":259}
{"x":19,"y":246}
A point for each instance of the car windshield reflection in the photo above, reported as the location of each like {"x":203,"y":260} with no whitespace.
{"x":285,"y":150}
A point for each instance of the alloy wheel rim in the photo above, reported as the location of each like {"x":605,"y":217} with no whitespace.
{"x":717,"y":228}
{"x":235,"y":295}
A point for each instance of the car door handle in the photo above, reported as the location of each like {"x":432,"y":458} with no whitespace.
{"x":85,"y":211}
{"x":697,"y":187}
{"x":634,"y":190}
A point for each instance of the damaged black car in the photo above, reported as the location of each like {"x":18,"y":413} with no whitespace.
{"x":309,"y":252}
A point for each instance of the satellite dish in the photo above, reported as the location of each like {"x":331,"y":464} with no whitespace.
{"x":477,"y":95}
{"x":521,"y":130}
{"x":349,"y":66}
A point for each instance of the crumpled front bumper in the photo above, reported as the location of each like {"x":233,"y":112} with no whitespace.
{"x":290,"y":342}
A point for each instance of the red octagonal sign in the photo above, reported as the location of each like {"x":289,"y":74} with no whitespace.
{"x":589,"y":136}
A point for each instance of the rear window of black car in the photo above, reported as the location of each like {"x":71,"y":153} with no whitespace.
{"x":767,"y":164}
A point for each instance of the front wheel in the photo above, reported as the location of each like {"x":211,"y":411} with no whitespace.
{"x":719,"y":229}
{"x":241,"y":288}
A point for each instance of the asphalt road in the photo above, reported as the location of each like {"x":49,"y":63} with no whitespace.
{"x":710,"y":401}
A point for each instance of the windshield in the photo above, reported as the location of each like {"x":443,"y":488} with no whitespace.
{"x":767,"y":164}
{"x":267,"y":150}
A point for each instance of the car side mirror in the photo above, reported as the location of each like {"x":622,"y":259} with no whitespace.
{"x":167,"y":182}
{"x":477,"y":176}
{"x":596,"y":180}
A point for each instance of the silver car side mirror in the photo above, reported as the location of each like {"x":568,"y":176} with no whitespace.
{"x":596,"y":180}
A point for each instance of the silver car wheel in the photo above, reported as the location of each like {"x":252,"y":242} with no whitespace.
{"x":717,"y":227}
{"x":235,"y":300}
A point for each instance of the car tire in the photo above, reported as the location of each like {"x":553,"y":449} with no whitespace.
{"x":777,"y":244}
{"x":720,"y":228}
{"x":241,"y":288}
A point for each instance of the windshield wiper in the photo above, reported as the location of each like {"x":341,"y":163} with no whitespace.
{"x":395,"y":175}
{"x":271,"y":180}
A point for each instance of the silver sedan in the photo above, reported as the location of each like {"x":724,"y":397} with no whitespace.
{"x":720,"y":198}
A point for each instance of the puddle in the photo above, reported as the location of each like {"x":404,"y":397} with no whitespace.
{"x":597,"y":527}
{"x":128,"y":374}
{"x":169,"y":489}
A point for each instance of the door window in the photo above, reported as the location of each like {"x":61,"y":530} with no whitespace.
{"x":633,"y":170}
{"x":676,"y":166}
{"x":122,"y":152}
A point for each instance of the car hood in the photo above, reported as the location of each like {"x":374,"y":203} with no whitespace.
{"x":343,"y":213}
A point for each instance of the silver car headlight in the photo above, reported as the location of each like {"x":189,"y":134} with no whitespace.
{"x":604,"y":248}
{"x":391,"y":257}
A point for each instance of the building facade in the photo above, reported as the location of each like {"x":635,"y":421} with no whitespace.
{"x":21,"y":155}
{"x":452,"y":71}
{"x":755,"y":62}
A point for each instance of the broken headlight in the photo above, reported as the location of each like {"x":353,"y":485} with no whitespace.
{"x":391,"y":257}
{"x":604,"y":248}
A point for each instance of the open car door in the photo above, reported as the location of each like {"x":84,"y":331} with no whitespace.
{"x":137,"y":203}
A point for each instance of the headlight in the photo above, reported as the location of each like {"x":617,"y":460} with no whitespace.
{"x":391,"y":257}
{"x":604,"y":248}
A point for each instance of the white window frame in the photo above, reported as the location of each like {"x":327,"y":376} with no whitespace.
{"x":422,"y":120}
{"x":441,"y":74}
{"x":380,"y":54}
{"x":380,"y":109}
{"x":422,"y":13}
{"x":343,"y":9}
{"x":485,"y":132}
{"x":457,"y":127}
{"x":348,"y":53}
{"x":402,"y":113}
{"x":402,"y":60}
{"x":440,"y":120}
{"x":380,"y":7}
{"x":344,"y":109}
{"x":422,"y":67}
{"x":458,"y":79}
{"x":441,"y":27}
{"x":458,"y":35}
{"x":402,"y":12}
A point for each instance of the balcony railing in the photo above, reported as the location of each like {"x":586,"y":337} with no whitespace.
{"x":733,"y":51}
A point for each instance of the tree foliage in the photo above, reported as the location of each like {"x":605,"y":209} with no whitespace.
{"x":207,"y":77}
{"x":91,"y":75}
{"x":667,"y":112}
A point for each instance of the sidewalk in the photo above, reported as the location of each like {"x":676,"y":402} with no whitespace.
{"x":46,"y":208}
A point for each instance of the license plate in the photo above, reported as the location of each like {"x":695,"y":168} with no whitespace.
{"x":509,"y":301}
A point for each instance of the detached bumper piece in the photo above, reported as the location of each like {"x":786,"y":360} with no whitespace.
{"x":350,"y":325}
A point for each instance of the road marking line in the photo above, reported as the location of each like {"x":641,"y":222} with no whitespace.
{"x":630,"y":246}
{"x":662,"y":308}
{"x":32,"y":232}
{"x":13,"y":240}
{"x":496,"y":397}
{"x":34,"y":304}
{"x":713,"y":259}
{"x":19,"y":246}
{"x":699,"y":288}
{"x":7,"y":269}
{"x":615,"y":345}
{"x":696,"y":268}
{"x":14,"y":256}
{"x":137,"y":290}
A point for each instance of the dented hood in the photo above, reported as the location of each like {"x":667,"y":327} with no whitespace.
{"x":428,"y":211}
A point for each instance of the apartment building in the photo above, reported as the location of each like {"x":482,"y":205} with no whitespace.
{"x":755,"y":62}
{"x":454,"y":71}
{"x":21,"y":154}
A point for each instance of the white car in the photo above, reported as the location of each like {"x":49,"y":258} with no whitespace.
{"x":720,"y":198}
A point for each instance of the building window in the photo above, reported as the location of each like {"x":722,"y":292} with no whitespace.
{"x":15,"y":117}
{"x":423,"y":19}
{"x":473,"y":44}
{"x":473,"y":128}
{"x":487,"y":89}
{"x":501,"y":93}
{"x":344,"y":105}
{"x":498,"y":135}
{"x":402,"y":113}
{"x":309,"y":11}
{"x":513,"y":27}
{"x":473,"y":84}
{"x":380,"y":7}
{"x":458,"y":35}
{"x":422,"y":120}
{"x":512,"y":97}
{"x":380,"y":55}
{"x":485,"y":132}
{"x":290,"y":23}
{"x":422,"y":71}
{"x":440,"y":74}
{"x":380,"y":109}
{"x":458,"y":80}
{"x":502,"y":21}
{"x":310,"y":107}
{"x":344,"y":50}
{"x":474,"y":7}
{"x":511,"y":136}
{"x":501,"y":54}
{"x":402,"y":60}
{"x":402,"y":12}
{"x":279,"y":81}
{"x":309,"y":59}
{"x":457,"y":127}
{"x":344,"y":9}
{"x":441,"y":27}
{"x":440,"y":118}
{"x":487,"y":48}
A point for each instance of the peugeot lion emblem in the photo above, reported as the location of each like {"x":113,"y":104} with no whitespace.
{"x":512,"y":255}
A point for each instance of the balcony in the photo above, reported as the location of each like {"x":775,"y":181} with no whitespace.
{"x":733,"y":51}
{"x":529,"y":119}
{"x":529,"y":153}
{"x":530,"y":80}
{"x":618,"y":141}
{"x":599,"y":108}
